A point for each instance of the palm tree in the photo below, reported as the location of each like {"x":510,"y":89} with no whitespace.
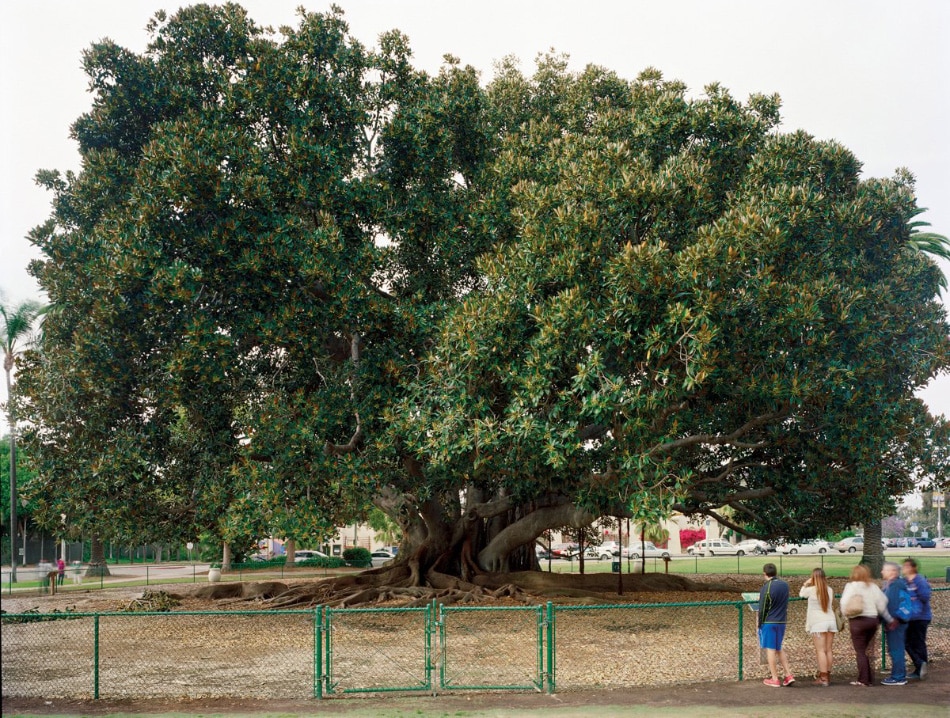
{"x":17,"y":329}
{"x":936,"y":245}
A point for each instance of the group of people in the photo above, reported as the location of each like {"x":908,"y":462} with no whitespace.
{"x":901,"y":605}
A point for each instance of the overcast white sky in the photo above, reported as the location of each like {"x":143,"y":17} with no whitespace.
{"x":872,"y":74}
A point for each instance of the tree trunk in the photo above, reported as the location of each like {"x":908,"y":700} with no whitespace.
{"x":97,"y":560}
{"x":290,"y":547}
{"x":226,"y":557}
{"x":873,"y":556}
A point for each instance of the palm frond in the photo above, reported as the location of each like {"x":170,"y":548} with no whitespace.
{"x":936,"y":245}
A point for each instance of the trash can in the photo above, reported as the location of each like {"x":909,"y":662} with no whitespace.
{"x":615,"y":567}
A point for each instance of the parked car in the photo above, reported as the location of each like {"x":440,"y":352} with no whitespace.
{"x":564,"y":550}
{"x":754,"y":546}
{"x":926,"y":543}
{"x":597,"y":552}
{"x":946,"y":543}
{"x":714,"y":547}
{"x":852,"y":544}
{"x":805,"y":547}
{"x":381,"y":556}
{"x":307,"y":553}
{"x":647,"y":549}
{"x":906,"y":542}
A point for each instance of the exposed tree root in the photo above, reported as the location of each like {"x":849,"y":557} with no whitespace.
{"x":399,"y":586}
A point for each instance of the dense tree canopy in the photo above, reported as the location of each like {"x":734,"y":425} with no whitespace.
{"x":296,"y":277}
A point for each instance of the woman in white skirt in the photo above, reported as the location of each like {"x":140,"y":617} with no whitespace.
{"x":820,"y":622}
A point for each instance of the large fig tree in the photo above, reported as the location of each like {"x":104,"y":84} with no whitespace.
{"x":297,"y":277}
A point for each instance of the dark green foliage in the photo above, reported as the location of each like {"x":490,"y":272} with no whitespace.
{"x":296,"y":278}
{"x":357,"y":556}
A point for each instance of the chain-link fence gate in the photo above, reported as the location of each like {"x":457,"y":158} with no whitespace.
{"x":374,"y":650}
{"x":299,"y":654}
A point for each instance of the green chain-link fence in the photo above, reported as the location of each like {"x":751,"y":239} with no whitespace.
{"x":376,"y":650}
{"x":492,"y":648}
{"x":297,"y":654}
{"x":35,"y":581}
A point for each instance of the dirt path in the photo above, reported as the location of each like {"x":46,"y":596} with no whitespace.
{"x":928,"y":699}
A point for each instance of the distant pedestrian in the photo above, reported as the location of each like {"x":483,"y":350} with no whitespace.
{"x":921,"y":615}
{"x":864,"y":604}
{"x":820,"y":622}
{"x":60,"y":571}
{"x":773,"y":615}
{"x":894,"y":587}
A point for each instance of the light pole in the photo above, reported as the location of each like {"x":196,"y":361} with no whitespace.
{"x":12,"y":496}
{"x":939,"y":501}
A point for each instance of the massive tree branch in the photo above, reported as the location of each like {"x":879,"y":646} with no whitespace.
{"x":719,"y":439}
{"x":527,"y":529}
{"x":377,"y":290}
{"x":354,"y":442}
{"x":731,"y":468}
{"x":592,"y":431}
{"x":719,"y":517}
{"x":489,"y":509}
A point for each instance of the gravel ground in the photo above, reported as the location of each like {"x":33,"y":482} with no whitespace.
{"x":181,"y":656}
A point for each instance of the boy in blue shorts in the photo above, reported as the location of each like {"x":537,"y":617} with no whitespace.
{"x":773,"y":613}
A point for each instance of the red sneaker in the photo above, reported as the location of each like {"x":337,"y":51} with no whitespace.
{"x":773,"y":682}
{"x":789,"y":680}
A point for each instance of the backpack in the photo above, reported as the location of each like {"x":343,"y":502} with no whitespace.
{"x":854,"y":607}
{"x":904,"y":607}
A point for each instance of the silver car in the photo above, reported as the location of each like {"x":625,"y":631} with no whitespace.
{"x":647,"y":549}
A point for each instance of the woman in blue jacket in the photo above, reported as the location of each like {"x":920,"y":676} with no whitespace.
{"x":916,"y":639}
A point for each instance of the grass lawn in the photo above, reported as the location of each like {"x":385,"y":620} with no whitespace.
{"x":932,"y":565}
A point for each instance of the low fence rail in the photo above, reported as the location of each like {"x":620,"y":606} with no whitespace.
{"x":329,"y":651}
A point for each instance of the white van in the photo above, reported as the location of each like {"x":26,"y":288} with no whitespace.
{"x":713,"y":547}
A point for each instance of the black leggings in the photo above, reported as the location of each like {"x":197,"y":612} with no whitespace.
{"x":916,"y":642}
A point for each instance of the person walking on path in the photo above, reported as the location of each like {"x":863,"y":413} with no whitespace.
{"x":863,"y":602}
{"x":921,"y":615}
{"x":893,"y":588}
{"x":773,"y":615}
{"x":60,"y":570}
{"x":820,"y":622}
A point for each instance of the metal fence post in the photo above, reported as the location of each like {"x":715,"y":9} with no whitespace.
{"x":318,"y":652}
{"x":427,"y":646}
{"x":883,"y":647}
{"x":552,"y":653}
{"x":95,"y":656}
{"x":440,"y":626}
{"x":740,"y":606}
